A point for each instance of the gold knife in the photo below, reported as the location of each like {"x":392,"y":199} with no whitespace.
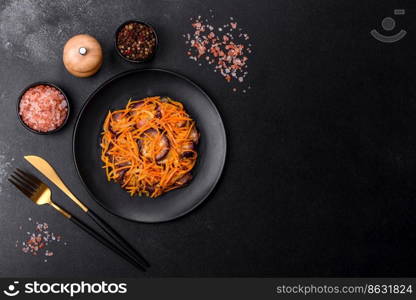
{"x":46,"y":169}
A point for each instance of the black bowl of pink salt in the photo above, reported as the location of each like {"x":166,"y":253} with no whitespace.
{"x":43,"y":108}
{"x":136,"y":41}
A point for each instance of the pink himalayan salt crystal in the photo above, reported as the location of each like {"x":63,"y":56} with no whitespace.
{"x":43,"y":108}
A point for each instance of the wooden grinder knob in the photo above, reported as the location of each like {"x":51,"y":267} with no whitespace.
{"x":83,"y":55}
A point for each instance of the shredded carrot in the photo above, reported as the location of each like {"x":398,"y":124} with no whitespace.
{"x":149,"y":146}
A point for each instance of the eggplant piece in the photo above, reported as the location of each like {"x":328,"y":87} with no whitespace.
{"x":120,"y":176}
{"x":188,"y":154}
{"x":135,"y":106}
{"x":141,"y":123}
{"x":194,"y":135}
{"x":184,"y":179}
{"x":188,"y":146}
{"x":107,"y":152}
{"x":114,"y":119}
{"x":187,"y":150}
{"x":150,"y":189}
{"x":180,"y":124}
{"x":158,"y":113}
{"x":123,"y":164}
{"x":164,"y":144}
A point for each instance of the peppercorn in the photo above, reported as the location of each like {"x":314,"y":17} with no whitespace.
{"x":136,"y":41}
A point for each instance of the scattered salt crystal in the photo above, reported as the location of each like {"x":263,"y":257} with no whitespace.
{"x":224,"y":52}
{"x":39,"y":240}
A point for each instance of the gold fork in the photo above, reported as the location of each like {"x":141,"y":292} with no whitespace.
{"x":35,"y":190}
{"x":41,"y":194}
{"x":46,"y":169}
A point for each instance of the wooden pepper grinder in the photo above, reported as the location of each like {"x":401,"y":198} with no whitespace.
{"x":82,"y":55}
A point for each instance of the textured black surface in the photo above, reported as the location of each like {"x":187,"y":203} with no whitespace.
{"x":319,"y":179}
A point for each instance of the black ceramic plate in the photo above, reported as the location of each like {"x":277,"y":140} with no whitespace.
{"x":114,"y":94}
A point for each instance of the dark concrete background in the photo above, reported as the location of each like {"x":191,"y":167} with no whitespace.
{"x":319,"y":179}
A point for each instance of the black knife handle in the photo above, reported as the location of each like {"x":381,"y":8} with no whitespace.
{"x":105,"y":242}
{"x":117,"y":238}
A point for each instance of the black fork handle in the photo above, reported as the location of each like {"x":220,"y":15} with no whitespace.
{"x":118,"y":239}
{"x":105,"y":242}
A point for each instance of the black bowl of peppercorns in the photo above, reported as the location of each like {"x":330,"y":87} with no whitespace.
{"x":136,"y":41}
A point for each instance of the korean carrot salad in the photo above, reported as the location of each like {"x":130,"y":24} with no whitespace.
{"x":149,"y":147}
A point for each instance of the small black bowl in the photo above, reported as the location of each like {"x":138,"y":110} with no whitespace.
{"x":143,"y":23}
{"x":20,"y":98}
